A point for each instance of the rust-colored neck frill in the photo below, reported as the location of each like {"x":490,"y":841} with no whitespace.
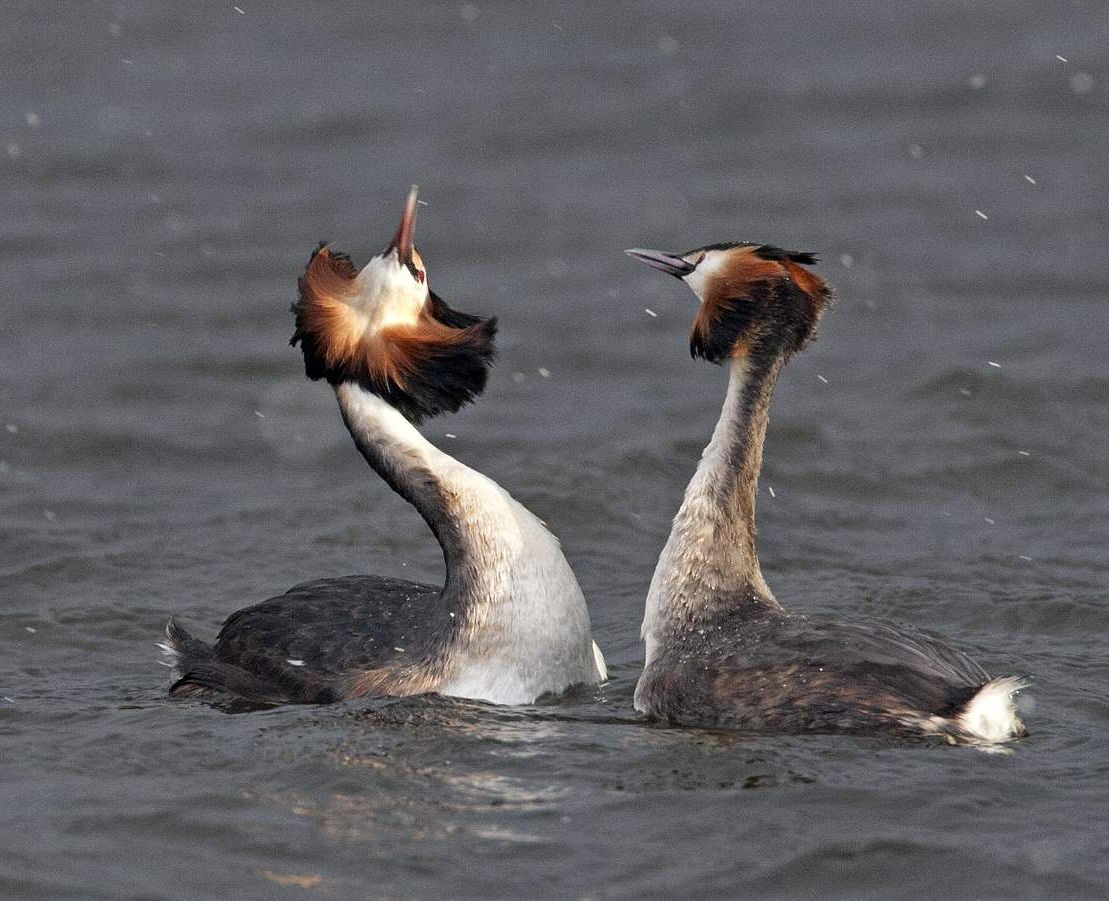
{"x":435,"y":364}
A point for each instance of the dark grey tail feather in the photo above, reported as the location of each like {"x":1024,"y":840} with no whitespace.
{"x":202,"y":677}
{"x":189,"y":650}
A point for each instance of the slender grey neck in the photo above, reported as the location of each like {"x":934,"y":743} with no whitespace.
{"x":416,"y":470}
{"x":521,"y":626}
{"x":741,"y":432}
{"x":710,"y":561}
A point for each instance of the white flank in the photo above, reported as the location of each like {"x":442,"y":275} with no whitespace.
{"x":991,"y":714}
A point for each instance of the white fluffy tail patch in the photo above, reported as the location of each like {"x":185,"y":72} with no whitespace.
{"x":172,"y":645}
{"x":170,"y":653}
{"x":599,"y":662}
{"x":171,"y":656}
{"x":991,"y":715}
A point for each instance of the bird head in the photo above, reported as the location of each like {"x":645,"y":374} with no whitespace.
{"x":384,"y":328}
{"x":756,"y":300}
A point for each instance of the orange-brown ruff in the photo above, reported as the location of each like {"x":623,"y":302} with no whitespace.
{"x":436,"y":363}
{"x":720,"y":648}
{"x":510,"y":623}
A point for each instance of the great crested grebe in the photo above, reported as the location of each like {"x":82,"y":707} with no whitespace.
{"x":509,"y":624}
{"x":720,"y":648}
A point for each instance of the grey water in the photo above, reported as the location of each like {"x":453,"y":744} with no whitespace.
{"x":937,"y":458}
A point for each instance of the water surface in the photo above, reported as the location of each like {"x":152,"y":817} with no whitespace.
{"x":168,"y":167}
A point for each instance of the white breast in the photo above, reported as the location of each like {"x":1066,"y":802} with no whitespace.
{"x":534,"y":625}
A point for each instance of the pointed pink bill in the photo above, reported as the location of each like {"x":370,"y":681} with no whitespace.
{"x":669,"y":263}
{"x":404,"y":240}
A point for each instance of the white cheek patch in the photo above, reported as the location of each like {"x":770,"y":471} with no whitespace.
{"x":388,"y":295}
{"x":706,"y":271}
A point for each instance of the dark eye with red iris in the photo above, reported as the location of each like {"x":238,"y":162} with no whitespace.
{"x":420,"y":276}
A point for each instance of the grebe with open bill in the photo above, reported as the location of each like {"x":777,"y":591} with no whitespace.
{"x":509,"y":624}
{"x":720,"y":648}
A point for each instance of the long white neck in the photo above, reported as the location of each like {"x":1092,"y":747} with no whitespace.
{"x":710,"y":560}
{"x":525,"y":628}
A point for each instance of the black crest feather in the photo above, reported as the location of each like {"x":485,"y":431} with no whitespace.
{"x":444,"y":376}
{"x":439,"y":311}
{"x":762,"y":251}
{"x":777,"y":254}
